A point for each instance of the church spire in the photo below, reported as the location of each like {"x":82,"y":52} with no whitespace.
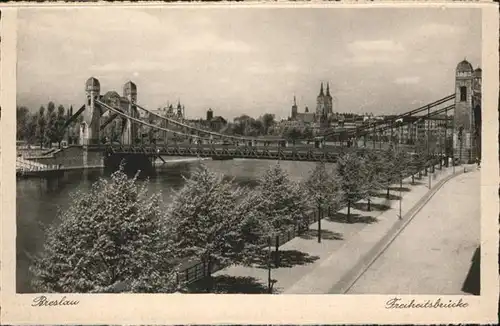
{"x":294,"y":101}
{"x":327,"y":89}
{"x":321,"y":90}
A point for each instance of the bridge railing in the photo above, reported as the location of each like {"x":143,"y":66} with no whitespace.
{"x":25,"y":166}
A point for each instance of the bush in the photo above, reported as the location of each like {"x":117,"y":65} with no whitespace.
{"x":205,"y":219}
{"x":282,"y":202}
{"x":352,"y":171}
{"x":324,"y":190}
{"x":112,"y":237}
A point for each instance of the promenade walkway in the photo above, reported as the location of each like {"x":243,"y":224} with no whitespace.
{"x":433,"y":254}
{"x":309,"y":267}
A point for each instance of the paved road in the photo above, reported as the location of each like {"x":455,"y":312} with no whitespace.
{"x":432,"y":255}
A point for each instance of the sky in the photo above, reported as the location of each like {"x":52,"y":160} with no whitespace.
{"x":246,"y":60}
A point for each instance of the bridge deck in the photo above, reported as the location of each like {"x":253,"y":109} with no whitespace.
{"x":298,"y":153}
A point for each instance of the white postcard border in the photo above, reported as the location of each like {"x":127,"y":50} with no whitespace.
{"x":252,"y":309}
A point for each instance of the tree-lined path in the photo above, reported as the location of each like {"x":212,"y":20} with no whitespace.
{"x":311,"y":267}
{"x":433,"y":254}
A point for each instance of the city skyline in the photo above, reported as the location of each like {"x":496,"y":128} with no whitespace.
{"x":247,"y":61}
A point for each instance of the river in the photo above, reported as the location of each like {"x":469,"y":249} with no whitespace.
{"x":40,"y":200}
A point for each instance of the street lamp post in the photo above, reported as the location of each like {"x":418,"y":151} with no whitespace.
{"x":440,"y":149}
{"x":319,"y":224}
{"x":460,"y":139}
{"x":446,"y":138}
{"x":400,"y":196}
{"x":269,"y":281}
{"x":453,"y":144}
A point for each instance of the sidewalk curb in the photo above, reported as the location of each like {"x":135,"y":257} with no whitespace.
{"x":351,"y":277}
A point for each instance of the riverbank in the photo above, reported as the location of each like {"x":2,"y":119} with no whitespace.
{"x":177,"y":159}
{"x":25,"y":168}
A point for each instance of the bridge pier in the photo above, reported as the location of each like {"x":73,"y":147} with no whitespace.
{"x":132,"y":163}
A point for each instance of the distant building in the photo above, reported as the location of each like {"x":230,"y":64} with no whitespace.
{"x":307,"y":116}
{"x":210,"y":115}
{"x":324,"y":105}
{"x":211,"y":123}
{"x":324,"y":111}
{"x":217,"y":123}
{"x":171,"y":112}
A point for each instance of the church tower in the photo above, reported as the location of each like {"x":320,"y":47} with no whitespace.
{"x":328,"y":101}
{"x":294,"y":109}
{"x":320,"y":104}
{"x":180,"y":110}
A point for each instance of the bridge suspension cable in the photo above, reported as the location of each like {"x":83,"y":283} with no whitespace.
{"x":73,"y":117}
{"x":385,"y":127}
{"x":391,"y":119}
{"x":212,"y":133}
{"x":116,"y":111}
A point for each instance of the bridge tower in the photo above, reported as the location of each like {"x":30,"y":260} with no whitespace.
{"x":130,"y":131}
{"x":89,"y":129}
{"x":463,"y":138}
{"x":476,"y":109}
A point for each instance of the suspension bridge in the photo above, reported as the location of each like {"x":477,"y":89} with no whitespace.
{"x":449,"y":126}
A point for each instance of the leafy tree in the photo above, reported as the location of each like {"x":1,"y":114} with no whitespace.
{"x":374,"y":173}
{"x":402,"y":165}
{"x":308,"y":133}
{"x":255,"y":228}
{"x":50,"y":130}
{"x":41,"y":126}
{"x":254,"y":128}
{"x":58,"y":126}
{"x":114,"y":235}
{"x":325,"y":191}
{"x":389,"y":163}
{"x":293,"y":134}
{"x":267,"y":122}
{"x":352,"y":172}
{"x":247,"y":126}
{"x":31,"y":133}
{"x":423,"y":157}
{"x":283,"y":204}
{"x":205,"y":220}
{"x":22,"y":120}
{"x":240,"y":124}
{"x":69,"y":112}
